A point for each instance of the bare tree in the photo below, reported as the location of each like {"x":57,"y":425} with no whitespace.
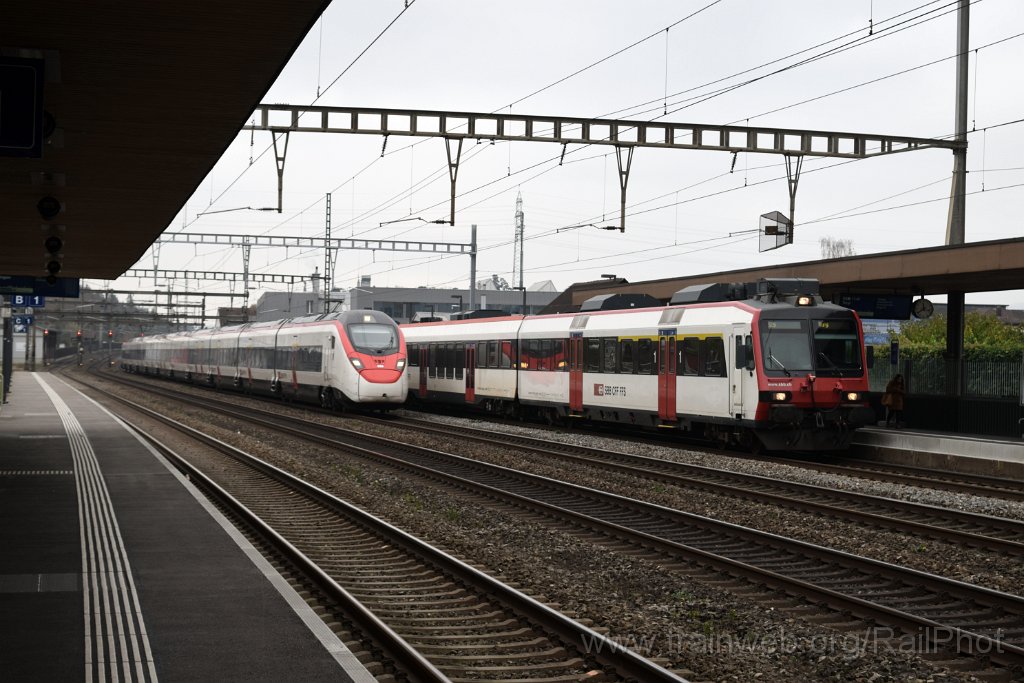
{"x":833,"y":247}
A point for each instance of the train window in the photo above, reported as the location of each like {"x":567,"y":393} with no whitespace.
{"x":481,"y":354}
{"x":543,"y":361}
{"x":836,"y":346}
{"x":714,"y":357}
{"x":414,"y":354}
{"x":562,"y":349}
{"x":528,"y":358}
{"x":645,"y":354}
{"x":309,"y":359}
{"x":592,"y":355}
{"x":449,"y":361}
{"x":492,"y":354}
{"x":506,"y":354}
{"x":784,"y":344}
{"x":432,"y":360}
{"x":373,"y":337}
{"x":559,"y":356}
{"x":627,"y":351}
{"x":689,"y":356}
{"x":460,"y":360}
{"x":609,"y":355}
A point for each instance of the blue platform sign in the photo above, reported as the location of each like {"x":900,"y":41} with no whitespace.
{"x":28,"y":301}
{"x":24,"y":320}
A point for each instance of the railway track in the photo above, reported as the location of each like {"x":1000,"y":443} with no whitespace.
{"x":975,"y":530}
{"x":872,"y":470}
{"x":961,"y":482}
{"x":970,"y":529}
{"x":434,"y":617}
{"x":919,"y":610}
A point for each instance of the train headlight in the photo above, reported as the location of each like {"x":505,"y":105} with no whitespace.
{"x":356,"y":363}
{"x":804,"y":300}
{"x":780,"y":396}
{"x":400,"y":365}
{"x":852,"y":396}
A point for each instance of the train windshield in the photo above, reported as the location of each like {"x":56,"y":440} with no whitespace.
{"x":836,"y":347}
{"x":373,"y":337}
{"x":828,"y":347}
{"x":785,"y":346}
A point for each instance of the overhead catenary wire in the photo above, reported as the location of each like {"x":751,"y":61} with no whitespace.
{"x":806,"y":61}
{"x":410,"y":194}
{"x":408,"y":4}
{"x":550,"y":232}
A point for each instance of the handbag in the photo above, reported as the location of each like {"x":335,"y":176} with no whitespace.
{"x":886,"y":399}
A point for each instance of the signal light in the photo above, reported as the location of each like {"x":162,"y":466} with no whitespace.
{"x":46,"y":332}
{"x":110,"y":333}
{"x":53,"y":244}
{"x":78,"y":334}
{"x":48,"y":207}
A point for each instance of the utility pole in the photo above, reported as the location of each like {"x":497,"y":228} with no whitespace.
{"x":472,"y":268}
{"x":328,"y":261}
{"x":517,"y":253}
{"x":955,"y":225}
{"x":955,"y":231}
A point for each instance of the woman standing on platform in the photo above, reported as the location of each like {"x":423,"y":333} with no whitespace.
{"x":892,"y":399}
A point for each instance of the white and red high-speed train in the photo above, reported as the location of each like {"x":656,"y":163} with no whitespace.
{"x":354,"y":357}
{"x":765,"y":363}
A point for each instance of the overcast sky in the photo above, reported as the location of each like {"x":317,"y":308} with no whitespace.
{"x":683,"y":206}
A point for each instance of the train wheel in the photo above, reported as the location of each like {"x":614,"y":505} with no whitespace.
{"x":327,"y":398}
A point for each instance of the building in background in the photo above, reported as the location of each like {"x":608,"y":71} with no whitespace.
{"x":404,"y":304}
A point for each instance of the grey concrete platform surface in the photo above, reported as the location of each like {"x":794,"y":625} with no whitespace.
{"x":114,"y":568}
{"x":993,"y":456}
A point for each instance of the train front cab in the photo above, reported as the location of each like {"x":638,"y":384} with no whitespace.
{"x":373,"y":361}
{"x":812,"y":377}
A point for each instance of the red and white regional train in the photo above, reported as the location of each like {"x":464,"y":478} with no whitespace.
{"x":337,"y":359}
{"x":765,"y":363}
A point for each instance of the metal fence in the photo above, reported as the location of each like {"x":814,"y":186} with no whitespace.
{"x":991,"y":403}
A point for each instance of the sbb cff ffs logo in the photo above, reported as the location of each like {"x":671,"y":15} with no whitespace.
{"x":608,"y":390}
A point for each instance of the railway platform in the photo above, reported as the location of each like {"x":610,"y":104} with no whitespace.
{"x":972,"y":454}
{"x":113,"y":566}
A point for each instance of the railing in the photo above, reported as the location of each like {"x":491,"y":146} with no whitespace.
{"x":990,"y":403}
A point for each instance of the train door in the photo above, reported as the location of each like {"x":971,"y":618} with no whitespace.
{"x":328,"y":360}
{"x":737,"y":370}
{"x":576,"y":372}
{"x":667,"y":377}
{"x":424,"y":357}
{"x":470,"y":373}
